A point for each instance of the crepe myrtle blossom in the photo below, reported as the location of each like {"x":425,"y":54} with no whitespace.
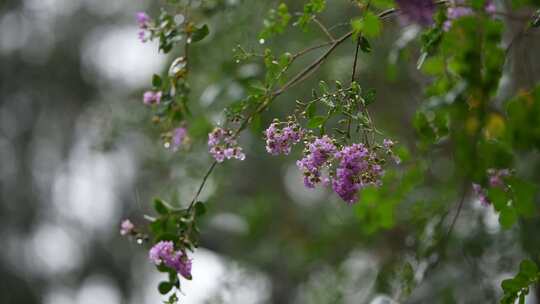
{"x":480,"y":194}
{"x":388,"y":144}
{"x":223,"y":145}
{"x":417,"y":11}
{"x":126,"y":227}
{"x":457,"y":9}
{"x":495,"y":180}
{"x":279,"y":140}
{"x":179,"y":137}
{"x":151,"y":97}
{"x":317,"y":155}
{"x":144,"y":21}
{"x":358,"y":168}
{"x":496,"y":177}
{"x":163,"y":253}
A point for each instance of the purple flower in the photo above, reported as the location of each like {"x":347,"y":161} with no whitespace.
{"x":280,"y":140}
{"x":388,"y":144}
{"x":222,"y":145}
{"x":418,"y":11}
{"x":144,"y":22}
{"x":178,"y":138}
{"x":317,"y":155}
{"x":490,"y":8}
{"x":142,"y":19}
{"x":455,"y":12}
{"x":142,"y":36}
{"x":182,"y":264}
{"x":358,"y":168}
{"x":162,"y":252}
{"x":480,"y":193}
{"x":150,"y":97}
{"x":126,"y":227}
{"x":458,"y":10}
{"x":496,"y":177}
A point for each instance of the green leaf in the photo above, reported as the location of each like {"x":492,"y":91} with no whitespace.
{"x":369,"y":96}
{"x":371,"y":25}
{"x":156,"y":81}
{"x":164,"y":287}
{"x":423,"y":127}
{"x":365,"y":46}
{"x":509,"y":285}
{"x":498,"y":197}
{"x":529,"y":269}
{"x":311,"y":109}
{"x":434,"y":65}
{"x":166,"y":236}
{"x":507,"y":218}
{"x":200,"y":209}
{"x":160,"y":207}
{"x":524,"y":193}
{"x":316,"y":122}
{"x":311,"y":8}
{"x":200,"y":33}
{"x":276,"y":22}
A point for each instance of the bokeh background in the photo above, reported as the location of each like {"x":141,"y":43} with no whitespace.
{"x":78,"y":153}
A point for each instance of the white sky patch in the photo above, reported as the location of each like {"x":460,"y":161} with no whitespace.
{"x":98,"y":289}
{"x":88,"y":187}
{"x":52,"y":251}
{"x":114,"y":55}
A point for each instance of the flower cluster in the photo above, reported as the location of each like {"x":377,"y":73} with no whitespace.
{"x":417,"y":11}
{"x":481,"y":194}
{"x":164,"y":253}
{"x":151,"y":97}
{"x":496,"y":177}
{"x":222,"y":145}
{"x":458,"y":10}
{"x":496,"y":180}
{"x":279,"y":140}
{"x":388,"y":144}
{"x":318,"y":154}
{"x":358,"y":168}
{"x":126,"y":227}
{"x":144,"y":22}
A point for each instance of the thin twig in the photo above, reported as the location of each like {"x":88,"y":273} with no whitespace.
{"x":203,"y":182}
{"x":309,"y":49}
{"x":460,"y":207}
{"x":324,"y":29}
